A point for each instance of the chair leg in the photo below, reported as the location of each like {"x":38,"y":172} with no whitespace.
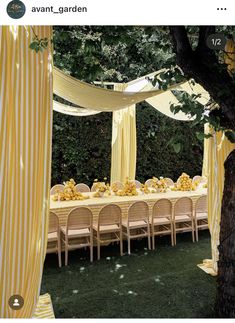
{"x":196,"y":230}
{"x":91,"y":248}
{"x":149,"y":237}
{"x":175,"y":234}
{"x":121,"y":245}
{"x":66,"y":255}
{"x":153,"y":241}
{"x":193,"y":232}
{"x":172,"y":235}
{"x":129,"y":245}
{"x":98,"y":246}
{"x":59,"y":252}
{"x":129,"y":241}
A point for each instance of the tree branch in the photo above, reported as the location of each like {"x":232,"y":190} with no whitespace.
{"x":203,"y":66}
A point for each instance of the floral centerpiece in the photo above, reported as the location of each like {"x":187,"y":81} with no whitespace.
{"x":158,"y":185}
{"x":145,"y":189}
{"x":114,"y":187}
{"x":69,"y":193}
{"x":184,"y":183}
{"x":101,"y":188}
{"x":129,"y":189}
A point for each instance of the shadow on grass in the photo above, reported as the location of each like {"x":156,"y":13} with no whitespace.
{"x":160,"y":283}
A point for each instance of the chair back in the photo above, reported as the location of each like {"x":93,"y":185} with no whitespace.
{"x":82,"y":188}
{"x":110,"y":214}
{"x":93,"y":187}
{"x":79,"y":218}
{"x":201,"y":205}
{"x":184,"y":205}
{"x":148,"y":182}
{"x":138,"y":211}
{"x":162,"y":208}
{"x":197,"y":178}
{"x":119,"y":185}
{"x":169,"y":181}
{"x":56,"y":187}
{"x":53,"y":222}
{"x":137,"y":183}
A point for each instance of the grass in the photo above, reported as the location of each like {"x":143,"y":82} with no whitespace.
{"x":164,"y":283}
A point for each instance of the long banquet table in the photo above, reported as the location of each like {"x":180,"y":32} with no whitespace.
{"x":62,"y":208}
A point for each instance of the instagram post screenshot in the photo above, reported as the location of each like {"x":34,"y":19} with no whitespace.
{"x":117,"y":159}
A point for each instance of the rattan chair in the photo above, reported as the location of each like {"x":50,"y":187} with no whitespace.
{"x":197,"y":178}
{"x":119,"y":185}
{"x":137,"y":222}
{"x":56,"y":187}
{"x":148,"y":182}
{"x":183,"y":220}
{"x":169,"y":181}
{"x":200,"y":215}
{"x":93,"y":188}
{"x":53,"y":239}
{"x":161,"y":220}
{"x":109,"y":227}
{"x":137,"y":183}
{"x":83,"y":188}
{"x":78,"y":232}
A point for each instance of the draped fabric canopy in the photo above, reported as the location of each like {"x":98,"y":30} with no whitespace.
{"x":217,"y":150}
{"x":123,"y":161}
{"x":73,"y":111}
{"x":94,"y":98}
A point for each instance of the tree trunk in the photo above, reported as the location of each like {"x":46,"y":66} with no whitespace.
{"x":225,"y":305}
{"x":202,"y":65}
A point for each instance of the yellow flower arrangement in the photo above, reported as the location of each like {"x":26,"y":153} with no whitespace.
{"x":145,"y":189}
{"x":158,"y":185}
{"x":69,"y":193}
{"x":129,"y":189}
{"x":114,"y":187}
{"x":101,"y":188}
{"x":184,"y":183}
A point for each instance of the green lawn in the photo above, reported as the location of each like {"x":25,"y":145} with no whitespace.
{"x":164,"y":283}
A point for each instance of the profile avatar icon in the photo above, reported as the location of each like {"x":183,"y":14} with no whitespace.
{"x":16,"y":302}
{"x":16,"y":9}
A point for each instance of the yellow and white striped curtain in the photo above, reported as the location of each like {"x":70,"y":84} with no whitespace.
{"x":218,"y":149}
{"x":123,"y":161}
{"x":25,"y":163}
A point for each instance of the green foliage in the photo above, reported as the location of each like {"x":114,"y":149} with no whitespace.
{"x":39,"y":44}
{"x":155,"y":157}
{"x":81,"y":147}
{"x":111,"y":53}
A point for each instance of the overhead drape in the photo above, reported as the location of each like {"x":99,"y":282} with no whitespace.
{"x":123,"y":161}
{"x":73,"y":111}
{"x":219,"y":148}
{"x":163,"y":101}
{"x":92,"y":97}
{"x":25,"y":163}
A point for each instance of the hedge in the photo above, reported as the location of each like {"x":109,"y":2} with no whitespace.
{"x":81,"y":147}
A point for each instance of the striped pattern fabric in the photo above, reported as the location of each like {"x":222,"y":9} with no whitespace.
{"x":25,"y":162}
{"x":123,"y":160}
{"x":44,"y":309}
{"x":218,"y":149}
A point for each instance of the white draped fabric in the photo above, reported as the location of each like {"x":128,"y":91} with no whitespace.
{"x":93,"y":98}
